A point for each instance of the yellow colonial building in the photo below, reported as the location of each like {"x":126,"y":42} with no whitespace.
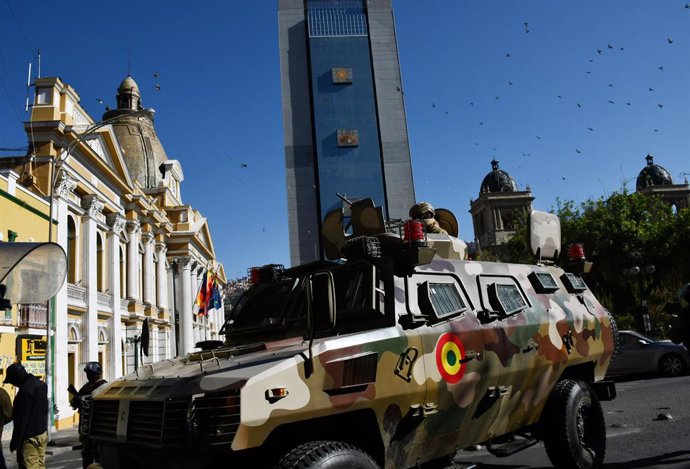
{"x":136,"y":252}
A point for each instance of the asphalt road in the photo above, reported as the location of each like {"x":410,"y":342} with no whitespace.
{"x":636,"y":439}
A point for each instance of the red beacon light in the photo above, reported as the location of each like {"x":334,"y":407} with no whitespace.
{"x":413,"y":233}
{"x":265,"y":274}
{"x":576,"y":252}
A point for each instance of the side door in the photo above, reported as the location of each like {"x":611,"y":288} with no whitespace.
{"x":461,"y":375}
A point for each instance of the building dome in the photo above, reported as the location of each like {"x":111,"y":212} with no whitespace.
{"x":498,"y":181}
{"x":653,"y":175}
{"x":135,"y":131}
{"x":128,"y":84}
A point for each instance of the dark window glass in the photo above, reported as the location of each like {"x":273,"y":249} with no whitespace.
{"x":445,"y":298}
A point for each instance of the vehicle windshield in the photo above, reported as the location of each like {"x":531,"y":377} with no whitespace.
{"x":278,"y":309}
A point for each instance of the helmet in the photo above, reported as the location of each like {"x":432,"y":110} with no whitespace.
{"x":685,"y":292}
{"x":420,"y":209}
{"x":93,"y":368}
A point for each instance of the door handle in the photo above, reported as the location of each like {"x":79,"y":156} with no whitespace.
{"x":471,"y":355}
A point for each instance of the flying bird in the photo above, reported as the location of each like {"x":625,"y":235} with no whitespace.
{"x":660,"y":106}
{"x":497,"y":97}
{"x":243,"y":165}
{"x":538,"y":137}
{"x":627,"y":104}
{"x":579,"y":105}
{"x":471,"y":103}
{"x":559,"y":96}
{"x":610,"y":84}
{"x":656,"y":130}
{"x":661,"y":68}
{"x":578,"y":151}
{"x":510,"y":83}
{"x":622,"y":48}
{"x":651,"y":89}
{"x":599,"y":51}
{"x":669,"y":40}
{"x":156,"y":74}
{"x":507,"y":54}
{"x":158,"y":87}
{"x":611,"y":102}
{"x":433,"y":104}
{"x":590,"y":129}
{"x":100,"y":101}
{"x":610,"y":46}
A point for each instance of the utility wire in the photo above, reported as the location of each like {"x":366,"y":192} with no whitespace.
{"x":21,"y":30}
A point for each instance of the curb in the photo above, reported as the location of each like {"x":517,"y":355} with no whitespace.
{"x":53,"y":450}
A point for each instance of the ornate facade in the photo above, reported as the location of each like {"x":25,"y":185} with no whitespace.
{"x":656,"y":180}
{"x":135,"y":250}
{"x":500,"y":208}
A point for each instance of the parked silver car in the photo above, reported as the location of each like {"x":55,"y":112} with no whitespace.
{"x":638,"y":353}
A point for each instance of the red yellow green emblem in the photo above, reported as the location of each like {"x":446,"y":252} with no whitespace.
{"x":449,"y":355}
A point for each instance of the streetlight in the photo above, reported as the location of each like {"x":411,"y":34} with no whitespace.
{"x":640,"y":273}
{"x":56,"y":163}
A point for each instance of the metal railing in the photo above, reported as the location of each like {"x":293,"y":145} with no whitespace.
{"x":33,"y":315}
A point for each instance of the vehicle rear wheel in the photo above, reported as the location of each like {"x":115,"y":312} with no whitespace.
{"x":573,"y":426}
{"x":326,"y":455}
{"x":671,"y":365}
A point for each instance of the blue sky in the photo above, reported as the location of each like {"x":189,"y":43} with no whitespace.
{"x":476,"y":84}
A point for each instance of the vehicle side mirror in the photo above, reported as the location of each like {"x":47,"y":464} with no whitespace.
{"x":321,"y":302}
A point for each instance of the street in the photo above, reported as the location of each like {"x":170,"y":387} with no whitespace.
{"x":636,"y":436}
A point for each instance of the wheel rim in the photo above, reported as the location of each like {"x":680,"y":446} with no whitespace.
{"x":672,"y":365}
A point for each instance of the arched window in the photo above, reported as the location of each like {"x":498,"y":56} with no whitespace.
{"x":71,"y":250}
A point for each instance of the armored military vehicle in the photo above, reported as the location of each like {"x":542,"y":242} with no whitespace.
{"x":396,"y":354}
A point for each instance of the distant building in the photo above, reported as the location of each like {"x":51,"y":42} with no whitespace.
{"x":500,"y":209}
{"x":135,"y":250}
{"x":654,"y":179}
{"x":343,"y":114}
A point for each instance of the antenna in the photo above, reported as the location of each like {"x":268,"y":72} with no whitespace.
{"x":38,"y":53}
{"x":28,"y":86}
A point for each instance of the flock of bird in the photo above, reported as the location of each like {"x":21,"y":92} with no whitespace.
{"x":599,"y":52}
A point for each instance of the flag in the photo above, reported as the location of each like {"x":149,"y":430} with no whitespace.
{"x":208,"y":297}
{"x":203,"y":295}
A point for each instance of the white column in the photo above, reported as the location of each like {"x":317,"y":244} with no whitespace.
{"x":194,"y":282}
{"x":185,"y":307}
{"x":93,"y":206}
{"x":161,"y":277}
{"x":133,"y":260}
{"x":147,"y":271}
{"x":173,"y":302}
{"x":155,"y":353}
{"x":117,"y":224}
{"x":60,"y":375}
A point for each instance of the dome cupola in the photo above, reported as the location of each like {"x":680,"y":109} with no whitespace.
{"x":653,"y":175}
{"x":498,"y":181}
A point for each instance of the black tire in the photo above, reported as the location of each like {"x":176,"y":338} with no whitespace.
{"x":671,"y":365}
{"x":326,"y":455}
{"x":573,"y":426}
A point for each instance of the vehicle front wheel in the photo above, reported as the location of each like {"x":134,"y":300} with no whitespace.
{"x":671,"y":365}
{"x":326,"y":455}
{"x":573,"y":426}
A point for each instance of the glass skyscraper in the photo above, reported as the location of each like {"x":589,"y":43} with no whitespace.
{"x":343,"y":113}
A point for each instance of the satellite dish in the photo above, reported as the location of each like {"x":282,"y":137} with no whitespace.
{"x":447,"y":221}
{"x":31,"y":272}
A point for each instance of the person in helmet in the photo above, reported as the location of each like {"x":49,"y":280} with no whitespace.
{"x":424,"y":212}
{"x":30,"y":416}
{"x":94,"y":375}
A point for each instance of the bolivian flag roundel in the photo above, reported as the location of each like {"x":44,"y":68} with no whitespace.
{"x":449,"y":352}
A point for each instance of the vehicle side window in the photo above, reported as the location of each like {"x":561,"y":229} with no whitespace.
{"x":440,"y":299}
{"x":436,"y":296}
{"x":626,"y":339}
{"x":502,"y":294}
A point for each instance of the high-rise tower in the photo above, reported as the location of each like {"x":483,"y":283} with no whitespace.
{"x":343,"y":114}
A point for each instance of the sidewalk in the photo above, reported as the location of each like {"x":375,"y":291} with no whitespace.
{"x":60,"y":442}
